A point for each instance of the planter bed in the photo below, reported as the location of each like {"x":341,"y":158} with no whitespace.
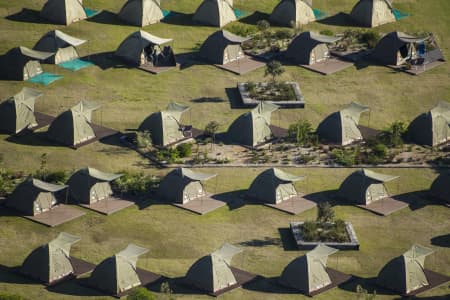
{"x":248,"y":101}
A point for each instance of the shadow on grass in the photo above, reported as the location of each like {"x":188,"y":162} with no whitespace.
{"x":445,"y":297}
{"x":254,"y":18}
{"x":27,"y":15}
{"x":176,"y":285}
{"x":33,"y":139}
{"x":266,"y":241}
{"x":268,"y":285}
{"x":339,"y":19}
{"x":415,"y":200}
{"x":103,"y":60}
{"x":234,"y":98}
{"x":189,"y":59}
{"x":325,"y":196}
{"x":441,"y":240}
{"x":287,"y":240}
{"x":178,"y":18}
{"x":13,"y":275}
{"x":106,"y":17}
{"x":369,"y":284}
{"x":74,"y":288}
{"x":232,"y":199}
{"x":208,"y":100}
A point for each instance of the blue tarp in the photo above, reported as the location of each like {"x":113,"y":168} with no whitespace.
{"x":240,"y":13}
{"x":167,"y":13}
{"x":75,"y":64}
{"x":319,"y":14}
{"x":399,"y":15}
{"x":90,"y":12}
{"x":45,"y":78}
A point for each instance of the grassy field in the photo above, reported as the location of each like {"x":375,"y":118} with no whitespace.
{"x":177,"y":238}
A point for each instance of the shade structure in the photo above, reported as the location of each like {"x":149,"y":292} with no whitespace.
{"x":21,"y":63}
{"x":365,"y":187}
{"x":72,"y":127}
{"x":297,"y":12}
{"x":33,"y":196}
{"x":117,"y":274}
{"x":17,"y":112}
{"x":61,"y":44}
{"x":63,"y":12}
{"x":222,"y":47}
{"x":89,"y":185}
{"x":309,"y":48}
{"x":273,"y":186}
{"x":183,"y":185}
{"x":405,"y":273}
{"x":395,"y":48}
{"x":51,"y":262}
{"x":165,"y":126}
{"x":216,"y":13}
{"x":440,"y":188}
{"x":431,"y":128}
{"x":341,"y":127}
{"x":212,"y":272}
{"x":308,"y":273}
{"x":253,"y":128}
{"x":141,"y":12}
{"x":372,"y":13}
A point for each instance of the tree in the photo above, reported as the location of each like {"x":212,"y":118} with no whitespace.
{"x":263,"y":25}
{"x":302,"y":133}
{"x":211,"y":129}
{"x":325,"y":213}
{"x":393,"y":136}
{"x":274,"y":69}
{"x":141,"y":293}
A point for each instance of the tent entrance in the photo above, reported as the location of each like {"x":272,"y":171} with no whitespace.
{"x":65,"y":54}
{"x":44,"y":202}
{"x":100,"y":191}
{"x":405,"y":53}
{"x":376,"y":192}
{"x":319,"y":53}
{"x":193,"y":191}
{"x":284,"y":192}
{"x":31,"y":69}
{"x":261,"y":131}
{"x":232,"y":53}
{"x":155,"y":56}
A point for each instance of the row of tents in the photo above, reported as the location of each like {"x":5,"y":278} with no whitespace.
{"x":51,"y":263}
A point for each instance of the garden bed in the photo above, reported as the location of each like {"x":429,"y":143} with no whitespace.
{"x":286,"y":95}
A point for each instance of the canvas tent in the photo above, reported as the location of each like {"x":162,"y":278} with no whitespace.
{"x":253,"y":127}
{"x":117,"y":274}
{"x":141,"y":48}
{"x":341,"y":127}
{"x":21,"y":63}
{"x":309,"y":48}
{"x":183,"y":185}
{"x":212,"y":272}
{"x":34,"y":196}
{"x":440,"y":188}
{"x":63,"y":12}
{"x":274,"y":186}
{"x":62,"y":45}
{"x":405,"y":273}
{"x":308,"y":273}
{"x":141,"y":12}
{"x":17,"y":112}
{"x":222,"y":47}
{"x":51,"y":262}
{"x":287,"y":12}
{"x":165,"y":126}
{"x":90,"y":185}
{"x":72,"y":127}
{"x":365,"y":187}
{"x":372,"y":13}
{"x":215,"y":13}
{"x":431,"y":128}
{"x":396,"y":48}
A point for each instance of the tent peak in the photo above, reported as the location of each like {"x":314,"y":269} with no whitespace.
{"x":377,"y":176}
{"x":132,"y":251}
{"x":193,"y":175}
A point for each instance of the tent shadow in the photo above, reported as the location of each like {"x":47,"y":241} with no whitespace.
{"x":445,"y":297}
{"x":27,"y":15}
{"x":178,"y":18}
{"x":106,"y":17}
{"x":268,"y":285}
{"x":369,"y":284}
{"x":339,"y":19}
{"x":33,"y":139}
{"x":415,"y":200}
{"x":74,"y":288}
{"x":234,"y":98}
{"x":208,"y":100}
{"x":103,"y":60}
{"x":287,"y":240}
{"x":254,"y":18}
{"x":324,"y":196}
{"x":188,"y":59}
{"x":176,"y":286}
{"x":266,"y":241}
{"x":12,"y":275}
{"x":441,"y":240}
{"x":233,"y":199}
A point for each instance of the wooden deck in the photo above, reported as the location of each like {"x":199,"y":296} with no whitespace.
{"x":57,"y":216}
{"x":385,"y":207}
{"x":108,"y":206}
{"x":336,"y":278}
{"x":294,"y":205}
{"x":156,"y":70}
{"x":101,"y":132}
{"x":329,"y":66}
{"x":243,"y":65}
{"x":202,"y":205}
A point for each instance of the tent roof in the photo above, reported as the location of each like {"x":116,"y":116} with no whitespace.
{"x":322,"y":38}
{"x":45,"y":186}
{"x":132,"y":252}
{"x":264,"y":107}
{"x":34,"y":54}
{"x":354,"y":110}
{"x":320,"y":251}
{"x":378,"y":176}
{"x":407,"y":38}
{"x":230,"y":37}
{"x":64,"y":239}
{"x":193,"y":175}
{"x":73,"y":41}
{"x":151,"y":38}
{"x":99,"y":174}
{"x":281,"y":175}
{"x":417,"y":251}
{"x":227,"y":251}
{"x":175,"y":107}
{"x":25,"y":94}
{"x":85,"y":106}
{"x":442,"y":109}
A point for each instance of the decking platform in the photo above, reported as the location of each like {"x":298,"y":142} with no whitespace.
{"x":337,"y":278}
{"x":294,"y":205}
{"x":329,"y":66}
{"x":42,"y":120}
{"x":108,"y":206}
{"x":202,"y":205}
{"x":156,"y":70}
{"x":385,"y":207}
{"x":243,"y":65}
{"x":101,"y":132}
{"x":56,"y":216}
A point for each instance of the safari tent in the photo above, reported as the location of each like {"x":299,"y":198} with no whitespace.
{"x":141,"y":12}
{"x":17,"y":112}
{"x":440,"y":188}
{"x":89,"y":185}
{"x":72,"y":127}
{"x":396,"y":48}
{"x":253,"y":128}
{"x":183,"y":185}
{"x":308,"y":273}
{"x":405,"y":273}
{"x":63,"y":12}
{"x":62,"y":45}
{"x":273,"y":186}
{"x":51,"y":262}
{"x":222,"y":47}
{"x":309,"y":48}
{"x":365,"y":187}
{"x":372,"y":13}
{"x":288,"y":12}
{"x":212,"y":272}
{"x":165,"y":126}
{"x":21,"y":63}
{"x":341,"y":127}
{"x":431,"y":128}
{"x":117,"y":274}
{"x":215,"y":13}
{"x":141,"y":48}
{"x":34,"y":196}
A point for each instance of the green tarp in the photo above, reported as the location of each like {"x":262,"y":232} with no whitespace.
{"x":21,"y":63}
{"x":215,"y":13}
{"x":372,"y":13}
{"x":440,"y":188}
{"x":61,"y":44}
{"x":51,"y":262}
{"x":63,"y":12}
{"x":395,"y":48}
{"x":288,"y":12}
{"x":141,"y":12}
{"x":17,"y":112}
{"x":222,"y":47}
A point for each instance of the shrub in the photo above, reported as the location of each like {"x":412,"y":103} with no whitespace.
{"x":8,"y":181}
{"x":344,"y":157}
{"x":263,"y":25}
{"x":212,"y":127}
{"x":302,"y":133}
{"x":327,"y":32}
{"x":325,"y":213}
{"x":170,"y":155}
{"x":309,"y":231}
{"x":393,"y":136}
{"x":56,"y":177}
{"x":241,"y":29}
{"x":135,"y":183}
{"x":371,"y":38}
{"x":184,"y":150}
{"x":141,"y":293}
{"x":283,"y":34}
{"x":143,"y":139}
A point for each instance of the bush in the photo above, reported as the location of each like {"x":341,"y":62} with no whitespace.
{"x":212,"y":127}
{"x":141,"y":293}
{"x":170,"y":155}
{"x":309,"y":231}
{"x":263,"y":25}
{"x":302,"y":133}
{"x":371,"y":38}
{"x":56,"y":177}
{"x":8,"y":181}
{"x":184,"y":150}
{"x":283,"y":34}
{"x":325,"y":213}
{"x":274,"y":68}
{"x":327,"y":32}
{"x":241,"y":29}
{"x":143,"y":139}
{"x":393,"y":136}
{"x":345,"y":157}
{"x":135,"y":183}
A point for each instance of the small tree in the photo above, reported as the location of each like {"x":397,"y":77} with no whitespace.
{"x":363,"y":294}
{"x":211,"y":129}
{"x":166,"y":291}
{"x":393,"y":136}
{"x":141,"y":293}
{"x":325,"y":213}
{"x":274,"y":69}
{"x":263,"y":25}
{"x":143,"y":139}
{"x":302,"y":133}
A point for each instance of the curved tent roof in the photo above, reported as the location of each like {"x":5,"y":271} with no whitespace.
{"x":372,"y":13}
{"x":298,"y":11}
{"x":431,"y":128}
{"x":215,"y":13}
{"x":117,"y":273}
{"x":63,"y":12}
{"x":164,"y":126}
{"x":13,"y":62}
{"x":405,"y":273}
{"x":141,"y":12}
{"x":387,"y":48}
{"x":214,"y":46}
{"x":440,"y":188}
{"x":212,"y":272}
{"x":308,"y":273}
{"x":342,"y":127}
{"x":17,"y":112}
{"x":253,"y":127}
{"x":301,"y":46}
{"x":51,"y":262}
{"x":55,"y":39}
